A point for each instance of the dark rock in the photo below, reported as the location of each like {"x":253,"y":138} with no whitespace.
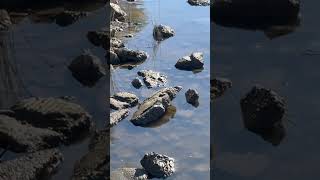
{"x":87,"y":69}
{"x":59,"y":115}
{"x":129,"y":174}
{"x":154,"y":107}
{"x":199,"y":2}
{"x":158,"y":165}
{"x":127,"y":55}
{"x":162,"y":32}
{"x":66,"y":18}
{"x":117,"y":12}
{"x":137,"y":83}
{"x":5,"y":20}
{"x":190,"y":63}
{"x":19,"y":137}
{"x":117,"y":116}
{"x":38,"y":165}
{"x":101,"y":37}
{"x":152,"y":79}
{"x":219,"y":86}
{"x":112,"y":58}
{"x":192,"y":97}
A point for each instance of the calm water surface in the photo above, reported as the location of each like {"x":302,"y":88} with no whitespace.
{"x":248,"y":58}
{"x":186,"y":136}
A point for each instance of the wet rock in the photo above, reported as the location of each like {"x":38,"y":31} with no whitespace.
{"x":123,"y":100}
{"x":152,"y":79}
{"x":192,"y":97}
{"x":5,"y":20}
{"x":19,"y":137}
{"x":127,"y":55}
{"x":154,"y":107}
{"x":95,"y":164}
{"x":199,"y":2}
{"x":117,"y":116}
{"x":162,"y":32}
{"x":59,"y":115}
{"x":66,"y":18}
{"x":101,"y":37}
{"x":137,"y":83}
{"x":262,"y":110}
{"x":38,"y":165}
{"x":117,"y":12}
{"x":129,"y":174}
{"x":219,"y":86}
{"x":87,"y":69}
{"x":254,"y":14}
{"x":158,"y":165}
{"x":190,"y":63}
{"x":116,"y":43}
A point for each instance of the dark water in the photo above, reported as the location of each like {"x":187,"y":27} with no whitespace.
{"x":248,"y":58}
{"x":39,"y":52}
{"x":186,"y":136}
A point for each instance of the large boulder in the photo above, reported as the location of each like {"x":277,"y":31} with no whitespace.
{"x":154,"y":107}
{"x":158,"y":165}
{"x":130,"y":56}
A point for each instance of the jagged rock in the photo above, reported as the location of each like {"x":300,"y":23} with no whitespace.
{"x":5,"y":20}
{"x":95,"y":164}
{"x":19,"y":137}
{"x":158,"y":165}
{"x":137,"y":83}
{"x":66,"y":18}
{"x":116,"y":43}
{"x":117,"y":116}
{"x":154,"y":107}
{"x":59,"y":115}
{"x":199,"y":2}
{"x":192,"y":62}
{"x":101,"y":37}
{"x":162,"y":32}
{"x":87,"y":69}
{"x":117,"y":12}
{"x":152,"y":79}
{"x":129,"y":174}
{"x":219,"y":86}
{"x":192,"y":97}
{"x":38,"y":165}
{"x":123,"y":100}
{"x":127,"y":55}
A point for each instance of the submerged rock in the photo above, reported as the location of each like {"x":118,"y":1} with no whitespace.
{"x":162,"y":32}
{"x":152,"y":79}
{"x":59,"y":115}
{"x":219,"y":86}
{"x":5,"y":20}
{"x":154,"y":107}
{"x":87,"y":69}
{"x":262,"y":111}
{"x":66,"y":18}
{"x":19,"y":137}
{"x":137,"y":83}
{"x":127,"y":55}
{"x":190,"y":63}
{"x":129,"y":174}
{"x":158,"y":165}
{"x":199,"y":2}
{"x":38,"y":165}
{"x":117,"y":12}
{"x":192,"y":97}
{"x":117,"y":116}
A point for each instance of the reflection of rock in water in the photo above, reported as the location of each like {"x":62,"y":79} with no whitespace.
{"x":11,"y":87}
{"x":170,"y":113}
{"x":275,"y":17}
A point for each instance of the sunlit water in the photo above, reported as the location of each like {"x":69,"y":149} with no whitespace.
{"x":186,"y":136}
{"x":248,"y":58}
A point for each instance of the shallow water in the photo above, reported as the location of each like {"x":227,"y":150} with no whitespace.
{"x":248,"y":58}
{"x":186,"y":136}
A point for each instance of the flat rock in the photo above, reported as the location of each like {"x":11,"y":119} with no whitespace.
{"x":190,"y":63}
{"x":19,"y":137}
{"x":219,"y":86}
{"x":123,"y":100}
{"x":59,"y":115}
{"x":117,"y":12}
{"x":158,"y":165}
{"x":38,"y":165}
{"x":66,"y":18}
{"x":162,"y":32}
{"x":87,"y":69}
{"x":5,"y":20}
{"x":199,"y":2}
{"x":117,"y":116}
{"x":154,"y":107}
{"x":129,"y":174}
{"x":192,"y":97}
{"x":152,"y":79}
{"x":137,"y":83}
{"x":127,"y":55}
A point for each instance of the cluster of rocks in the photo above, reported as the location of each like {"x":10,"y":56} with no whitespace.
{"x":151,"y":78}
